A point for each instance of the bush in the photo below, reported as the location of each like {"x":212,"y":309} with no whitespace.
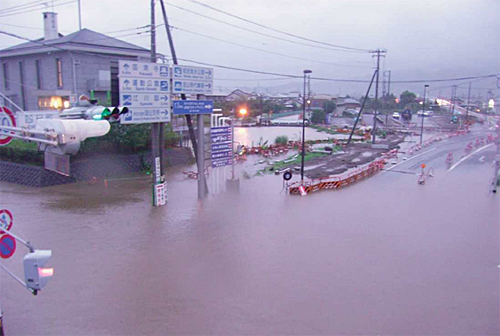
{"x":126,"y":139}
{"x":281,"y":140}
{"x":20,"y":155}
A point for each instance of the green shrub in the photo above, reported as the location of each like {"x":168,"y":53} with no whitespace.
{"x":281,"y":140}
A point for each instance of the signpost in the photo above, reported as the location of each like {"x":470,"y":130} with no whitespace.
{"x":192,"y":80}
{"x":181,"y":107}
{"x":221,"y":146}
{"x":7,"y":242}
{"x":145,"y":89}
{"x":6,"y":119}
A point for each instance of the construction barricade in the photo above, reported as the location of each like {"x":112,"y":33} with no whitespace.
{"x":337,"y":182}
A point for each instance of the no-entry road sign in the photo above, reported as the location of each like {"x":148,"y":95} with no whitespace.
{"x":7,"y":246}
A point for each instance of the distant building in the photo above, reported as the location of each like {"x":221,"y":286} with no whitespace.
{"x":51,"y":71}
{"x":344,"y":104}
{"x":318,"y":101}
{"x":240,"y":95}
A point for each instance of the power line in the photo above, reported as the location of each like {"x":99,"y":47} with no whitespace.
{"x":259,"y":33}
{"x":262,"y":50}
{"x":18,"y":7}
{"x":276,"y":30}
{"x":332,"y":79}
{"x":37,"y":9}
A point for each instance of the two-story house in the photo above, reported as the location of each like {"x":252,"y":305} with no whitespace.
{"x":49,"y":72}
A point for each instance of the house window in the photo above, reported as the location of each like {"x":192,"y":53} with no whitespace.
{"x":38,"y":75}
{"x":59,"y":73}
{"x":6,"y":76}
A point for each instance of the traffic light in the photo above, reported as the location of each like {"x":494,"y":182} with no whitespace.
{"x":106,"y":113}
{"x":116,"y":112}
{"x":69,"y":133}
{"x":36,"y":276}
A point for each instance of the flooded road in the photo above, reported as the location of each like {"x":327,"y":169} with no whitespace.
{"x":385,"y":256}
{"x":253,"y":135}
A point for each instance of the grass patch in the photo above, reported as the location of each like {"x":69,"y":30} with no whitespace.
{"x":21,"y":144}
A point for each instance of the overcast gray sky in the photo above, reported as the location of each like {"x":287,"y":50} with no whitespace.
{"x":424,"y":39}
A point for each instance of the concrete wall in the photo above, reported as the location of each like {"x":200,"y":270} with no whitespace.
{"x":98,"y":167}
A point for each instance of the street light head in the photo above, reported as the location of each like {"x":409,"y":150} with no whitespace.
{"x":243,"y":111}
{"x":307,"y":71}
{"x":426,"y":85}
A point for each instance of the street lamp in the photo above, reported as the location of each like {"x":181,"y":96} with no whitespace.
{"x":423,"y":114}
{"x":243,"y":111}
{"x":303,"y":127}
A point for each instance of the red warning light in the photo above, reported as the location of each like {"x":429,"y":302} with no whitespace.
{"x":44,"y":272}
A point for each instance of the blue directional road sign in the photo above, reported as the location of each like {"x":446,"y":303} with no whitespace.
{"x":193,"y":107}
{"x":221,"y":146}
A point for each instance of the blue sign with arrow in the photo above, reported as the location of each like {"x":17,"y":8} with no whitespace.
{"x":193,"y":107}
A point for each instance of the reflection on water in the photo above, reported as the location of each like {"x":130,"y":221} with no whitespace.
{"x":249,"y":136}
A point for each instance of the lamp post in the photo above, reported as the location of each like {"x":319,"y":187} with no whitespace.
{"x":303,"y":127}
{"x":423,"y":114}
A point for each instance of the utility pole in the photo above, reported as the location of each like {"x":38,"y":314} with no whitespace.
{"x":157,"y":142}
{"x":453,"y":93}
{"x":386,"y":93}
{"x":183,"y":96}
{"x":497,"y":160}
{"x":467,"y":107}
{"x":379,"y":53}
{"x":362,"y":106}
{"x":423,"y":115}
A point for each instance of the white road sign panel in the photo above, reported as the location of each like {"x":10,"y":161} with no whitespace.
{"x":142,"y":115}
{"x":151,"y":85}
{"x":147,"y":100}
{"x":145,"y":89}
{"x":192,"y":73}
{"x":142,"y":69}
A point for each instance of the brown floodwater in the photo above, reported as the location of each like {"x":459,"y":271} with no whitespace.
{"x":385,"y":256}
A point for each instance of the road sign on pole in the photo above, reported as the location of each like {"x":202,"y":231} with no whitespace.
{"x":7,"y":246}
{"x":192,"y":80}
{"x":221,"y":146}
{"x":6,"y":119}
{"x":181,"y":107}
{"x":145,"y":90}
{"x":6,"y":220}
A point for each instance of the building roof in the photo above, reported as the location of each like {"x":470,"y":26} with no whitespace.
{"x":82,"y":40}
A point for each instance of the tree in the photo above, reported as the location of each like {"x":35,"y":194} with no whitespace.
{"x":389,"y":102}
{"x":406,"y":98}
{"x":318,"y":117}
{"x":329,"y":106}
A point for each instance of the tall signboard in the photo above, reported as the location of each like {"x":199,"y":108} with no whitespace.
{"x":221,"y":146}
{"x":145,"y":89}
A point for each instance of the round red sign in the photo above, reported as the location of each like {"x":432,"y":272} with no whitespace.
{"x":6,"y":119}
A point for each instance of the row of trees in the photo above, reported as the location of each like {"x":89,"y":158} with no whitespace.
{"x":386,"y":103}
